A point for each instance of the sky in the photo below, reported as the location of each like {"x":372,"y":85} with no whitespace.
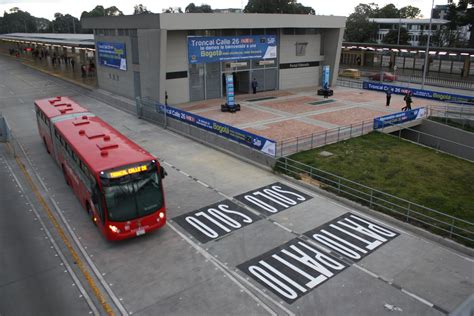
{"x":47,"y":8}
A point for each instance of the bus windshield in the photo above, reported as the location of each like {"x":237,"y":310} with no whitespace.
{"x":132,"y":192}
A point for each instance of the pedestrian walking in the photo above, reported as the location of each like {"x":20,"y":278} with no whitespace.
{"x":388,"y":94}
{"x":408,"y":101}
{"x":83,"y":71}
{"x":254,"y":85}
{"x":72,"y":62}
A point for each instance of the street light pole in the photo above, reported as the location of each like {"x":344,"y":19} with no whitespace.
{"x":425,"y":67}
{"x":399,"y":24}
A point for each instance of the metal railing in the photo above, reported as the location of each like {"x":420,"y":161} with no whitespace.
{"x":462,"y":115}
{"x":296,"y":144}
{"x":438,"y":82}
{"x":354,"y":84}
{"x":435,"y":221}
{"x":438,"y":143}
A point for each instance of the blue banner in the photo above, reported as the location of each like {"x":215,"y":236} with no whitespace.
{"x":229,"y":84}
{"x":399,"y":117}
{"x":325,"y":80}
{"x":112,"y":55}
{"x":203,"y":50}
{"x":427,"y":94}
{"x":260,"y":143}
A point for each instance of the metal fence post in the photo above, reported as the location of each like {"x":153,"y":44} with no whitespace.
{"x":166,"y":114}
{"x":371,"y":197}
{"x":418,"y":139}
{"x":338,"y":185}
{"x":338,"y":131}
{"x":325,"y":137}
{"x":297,"y":143}
{"x":362,"y":132}
{"x":139,"y":107}
{"x":312,"y":136}
{"x":451,"y":229}
{"x":350,"y":133}
{"x":408,"y":213}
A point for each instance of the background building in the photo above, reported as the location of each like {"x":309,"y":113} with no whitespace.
{"x":187,"y":56}
{"x":415,"y":27}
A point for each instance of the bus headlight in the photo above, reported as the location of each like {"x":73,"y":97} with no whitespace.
{"x":114,"y":229}
{"x":162,"y":215}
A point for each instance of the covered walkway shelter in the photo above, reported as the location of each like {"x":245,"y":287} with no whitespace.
{"x":65,"y":55}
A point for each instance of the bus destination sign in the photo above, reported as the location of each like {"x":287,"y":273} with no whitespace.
{"x":124,"y":172}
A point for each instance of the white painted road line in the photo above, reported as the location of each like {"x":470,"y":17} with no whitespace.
{"x":55,"y":245}
{"x":79,"y":245}
{"x":233,"y":276}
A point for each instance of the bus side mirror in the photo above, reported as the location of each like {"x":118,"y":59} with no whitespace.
{"x":163,"y":172}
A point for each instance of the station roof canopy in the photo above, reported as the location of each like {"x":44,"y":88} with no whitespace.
{"x":207,"y":21}
{"x":64,"y":39}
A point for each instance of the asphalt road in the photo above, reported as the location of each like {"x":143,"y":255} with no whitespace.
{"x":34,"y":278}
{"x":240,"y":240}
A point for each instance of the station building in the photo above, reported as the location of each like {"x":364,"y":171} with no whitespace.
{"x":187,"y":56}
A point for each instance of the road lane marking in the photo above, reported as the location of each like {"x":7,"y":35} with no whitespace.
{"x":65,"y":239}
{"x":233,"y":276}
{"x":55,"y":245}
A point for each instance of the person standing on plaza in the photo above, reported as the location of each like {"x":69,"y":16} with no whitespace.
{"x":254,"y":85}
{"x":388,"y":94}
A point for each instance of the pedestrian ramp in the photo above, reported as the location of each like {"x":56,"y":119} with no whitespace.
{"x":400,"y":120}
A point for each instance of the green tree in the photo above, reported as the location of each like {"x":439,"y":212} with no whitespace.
{"x":140,"y":9}
{"x":97,"y":11}
{"x":277,"y":6}
{"x":101,"y":11}
{"x":173,"y":10}
{"x":462,"y":14}
{"x":112,"y":11}
{"x":65,"y":24}
{"x":203,"y":8}
{"x":409,"y":12}
{"x":392,"y":37}
{"x":18,"y":21}
{"x":358,"y":27}
{"x":388,"y":11}
{"x":43,"y":25}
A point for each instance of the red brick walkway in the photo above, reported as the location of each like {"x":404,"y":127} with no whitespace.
{"x":290,"y":113}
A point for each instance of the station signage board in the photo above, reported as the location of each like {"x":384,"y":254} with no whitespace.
{"x":112,"y":55}
{"x":210,"y":49}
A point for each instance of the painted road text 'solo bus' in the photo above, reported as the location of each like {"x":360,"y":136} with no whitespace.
{"x":116,"y":181}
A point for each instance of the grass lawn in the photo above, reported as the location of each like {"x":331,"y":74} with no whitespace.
{"x":406,"y":170}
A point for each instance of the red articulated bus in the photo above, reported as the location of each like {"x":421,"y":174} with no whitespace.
{"x":116,"y":181}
